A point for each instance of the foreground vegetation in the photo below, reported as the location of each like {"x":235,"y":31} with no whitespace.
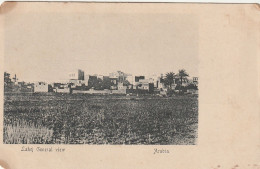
{"x":85,"y":119}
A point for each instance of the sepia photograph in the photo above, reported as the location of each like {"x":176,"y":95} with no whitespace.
{"x":129,"y":85}
{"x":90,"y":78}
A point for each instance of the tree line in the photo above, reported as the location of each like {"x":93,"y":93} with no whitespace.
{"x":178,"y":79}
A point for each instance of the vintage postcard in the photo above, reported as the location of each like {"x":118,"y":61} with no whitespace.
{"x":129,"y":85}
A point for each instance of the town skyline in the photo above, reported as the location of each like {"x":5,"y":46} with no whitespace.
{"x":115,"y":83}
{"x":66,"y":76}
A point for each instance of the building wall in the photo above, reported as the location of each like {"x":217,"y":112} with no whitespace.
{"x":41,"y":87}
{"x":77,"y":75}
{"x":92,"y":91}
{"x":122,"y":87}
{"x":86,"y":79}
{"x":119,"y":91}
{"x":120,"y":76}
{"x":144,"y":86}
{"x":154,"y":79}
{"x":65,"y":90}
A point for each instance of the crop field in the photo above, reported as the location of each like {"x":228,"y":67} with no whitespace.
{"x":53,"y":118}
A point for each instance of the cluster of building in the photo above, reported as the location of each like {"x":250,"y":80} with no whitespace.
{"x":115,"y":83}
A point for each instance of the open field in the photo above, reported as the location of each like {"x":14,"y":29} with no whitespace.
{"x":87,"y":119}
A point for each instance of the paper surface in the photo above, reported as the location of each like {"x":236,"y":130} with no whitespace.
{"x":223,"y":53}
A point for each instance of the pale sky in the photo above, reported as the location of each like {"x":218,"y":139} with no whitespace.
{"x":47,"y":46}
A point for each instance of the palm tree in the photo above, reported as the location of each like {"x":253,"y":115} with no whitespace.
{"x":169,"y":79}
{"x":182,"y":74}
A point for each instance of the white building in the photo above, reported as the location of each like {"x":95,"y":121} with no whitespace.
{"x":62,"y":88}
{"x":77,"y":75}
{"x":155,"y":79}
{"x":40,"y":87}
{"x":142,"y":84}
{"x":121,"y":86}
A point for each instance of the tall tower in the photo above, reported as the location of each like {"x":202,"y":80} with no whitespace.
{"x":77,"y":75}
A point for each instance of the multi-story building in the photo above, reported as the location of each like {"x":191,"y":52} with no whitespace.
{"x":121,"y":76}
{"x":143,"y":84}
{"x":77,"y":80}
{"x":155,"y":79}
{"x":77,"y":75}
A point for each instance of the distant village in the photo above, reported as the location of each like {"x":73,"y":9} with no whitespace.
{"x":115,"y":83}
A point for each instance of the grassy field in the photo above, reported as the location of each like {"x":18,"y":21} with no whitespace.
{"x":87,"y":119}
